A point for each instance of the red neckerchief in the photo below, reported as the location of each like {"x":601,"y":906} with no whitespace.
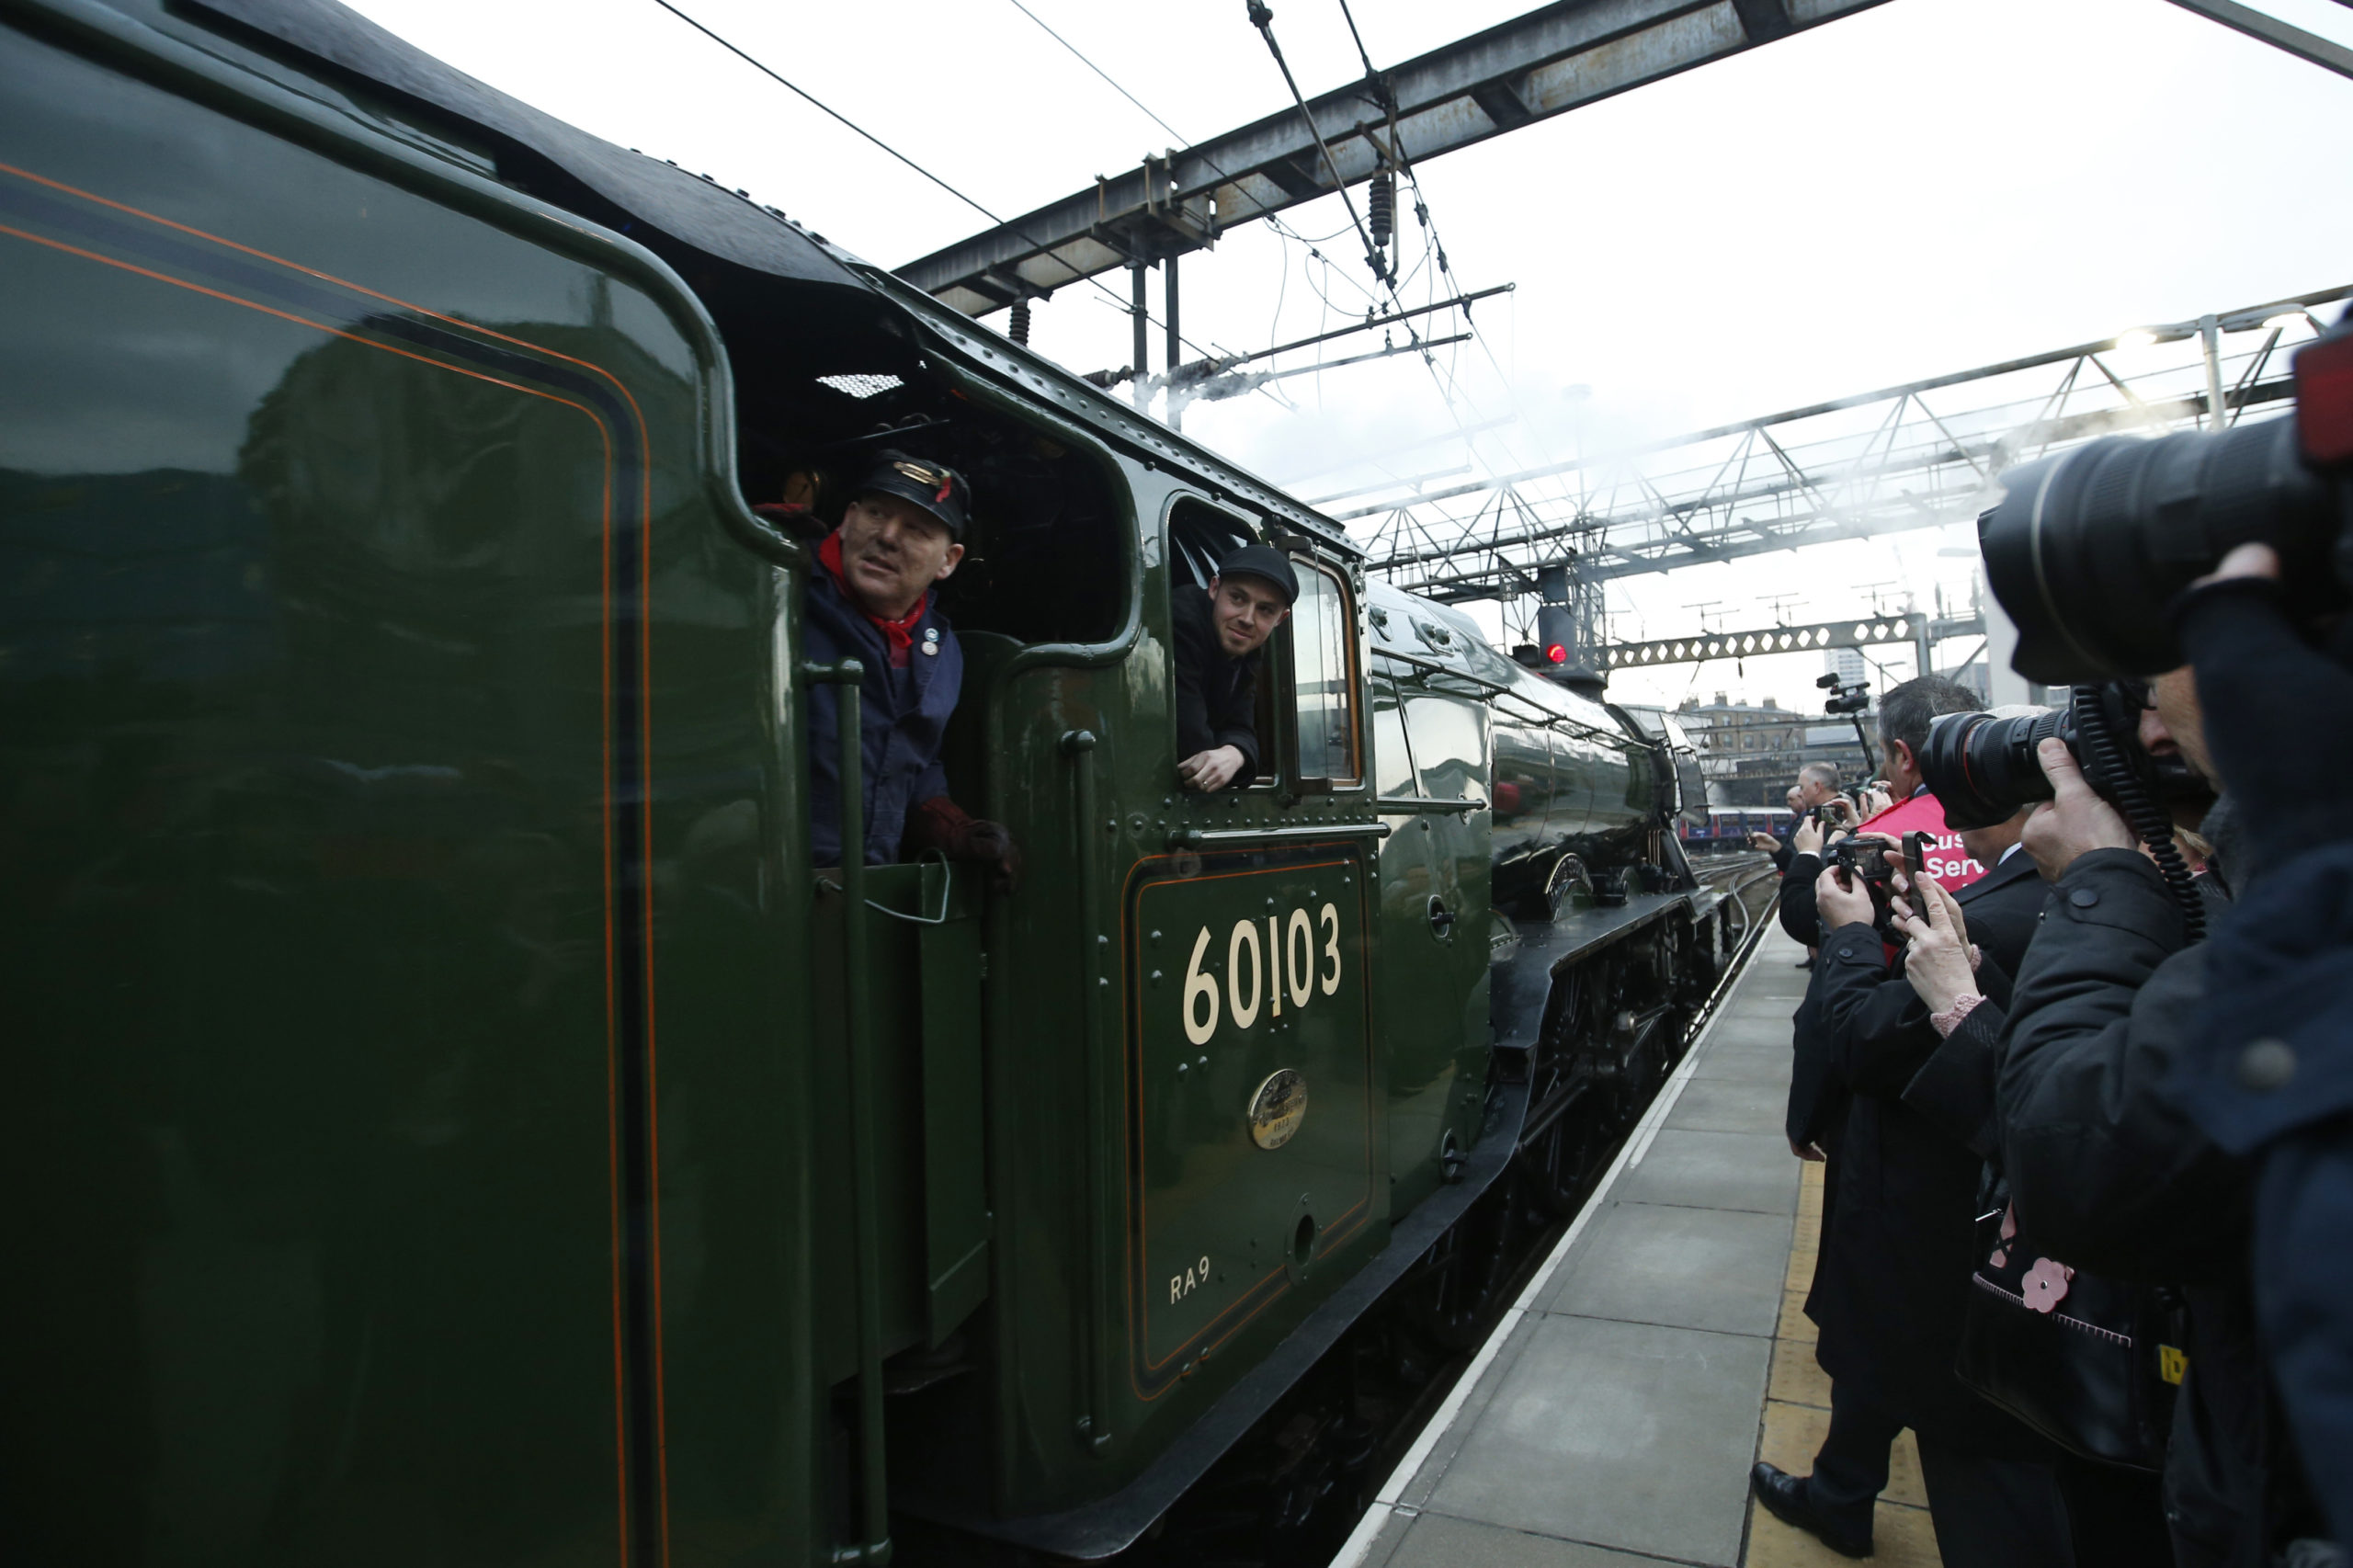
{"x":901,"y":633}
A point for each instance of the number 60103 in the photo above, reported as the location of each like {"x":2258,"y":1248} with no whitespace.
{"x":1286,"y":966}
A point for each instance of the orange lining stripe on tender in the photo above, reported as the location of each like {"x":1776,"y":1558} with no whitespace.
{"x":619,"y":385}
{"x":605,"y":438}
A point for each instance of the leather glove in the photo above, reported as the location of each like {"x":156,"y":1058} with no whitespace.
{"x":940,"y":823}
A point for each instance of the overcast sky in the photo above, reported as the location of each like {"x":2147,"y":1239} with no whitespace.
{"x":1925,"y":187}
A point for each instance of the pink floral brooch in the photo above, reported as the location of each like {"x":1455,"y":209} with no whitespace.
{"x":2045,"y":1285}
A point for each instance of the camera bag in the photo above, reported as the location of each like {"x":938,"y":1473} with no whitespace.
{"x":2093,"y":1364}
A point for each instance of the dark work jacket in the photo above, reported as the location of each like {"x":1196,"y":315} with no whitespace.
{"x":1893,"y":1283}
{"x":1798,"y":915}
{"x":903,"y":714}
{"x":2107,"y":1172}
{"x":1217,"y":698}
{"x":1817,"y":1103}
{"x":2282,"y":973}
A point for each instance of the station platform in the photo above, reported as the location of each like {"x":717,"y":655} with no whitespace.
{"x":1661,"y":1350}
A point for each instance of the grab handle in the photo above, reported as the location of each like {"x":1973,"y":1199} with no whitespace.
{"x":1094,"y":1434}
{"x":857,"y":1020}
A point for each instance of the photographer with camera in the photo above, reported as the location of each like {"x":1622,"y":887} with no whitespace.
{"x":1899,"y":1228}
{"x":2269,"y":1074}
{"x":2140,"y":1061}
{"x":1905,"y":714}
{"x":1817,"y":1109}
{"x":2104,"y":1170}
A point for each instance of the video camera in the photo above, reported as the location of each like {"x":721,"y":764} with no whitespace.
{"x":1844,"y":698}
{"x":2086,"y":550}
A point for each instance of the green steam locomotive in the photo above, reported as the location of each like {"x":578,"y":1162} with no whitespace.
{"x":454,"y":1122}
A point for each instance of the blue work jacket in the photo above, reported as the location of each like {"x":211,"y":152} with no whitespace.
{"x":903,"y":714}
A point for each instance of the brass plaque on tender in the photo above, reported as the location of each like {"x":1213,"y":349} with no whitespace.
{"x":1278,"y":1108}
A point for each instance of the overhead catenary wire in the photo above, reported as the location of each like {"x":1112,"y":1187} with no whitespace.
{"x":827,"y":110}
{"x":1395,"y":150}
{"x":1263,"y":18}
{"x":1282,"y":230}
{"x":1448,"y":387}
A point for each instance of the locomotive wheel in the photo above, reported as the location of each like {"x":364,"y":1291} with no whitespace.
{"x":1559,"y":1163}
{"x":1638,"y":1083}
{"x":1460,"y":1290}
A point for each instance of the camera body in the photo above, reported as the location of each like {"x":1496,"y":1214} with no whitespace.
{"x":1983,"y":771}
{"x":1864,"y":861}
{"x":2086,"y":550}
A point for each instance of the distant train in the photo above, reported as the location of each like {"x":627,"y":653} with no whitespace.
{"x":1727,"y":828}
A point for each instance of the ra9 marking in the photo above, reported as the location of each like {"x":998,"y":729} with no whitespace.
{"x":1287,"y":965}
{"x":1183,"y":1285}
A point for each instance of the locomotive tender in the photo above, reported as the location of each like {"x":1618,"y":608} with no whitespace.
{"x":455,"y":1122}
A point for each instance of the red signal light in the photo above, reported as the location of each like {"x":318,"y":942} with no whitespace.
{"x":1555,"y":653}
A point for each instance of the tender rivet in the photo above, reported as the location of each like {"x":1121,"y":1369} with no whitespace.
{"x":2266,"y":1064}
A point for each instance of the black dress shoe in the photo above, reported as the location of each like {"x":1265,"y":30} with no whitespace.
{"x":1785,"y":1498}
{"x":1803,"y":964}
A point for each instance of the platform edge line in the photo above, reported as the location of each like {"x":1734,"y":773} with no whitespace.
{"x":1383,"y":1507}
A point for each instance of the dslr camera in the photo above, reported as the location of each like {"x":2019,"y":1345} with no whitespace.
{"x":1983,"y":771}
{"x":1864,"y":861}
{"x":2086,"y":550}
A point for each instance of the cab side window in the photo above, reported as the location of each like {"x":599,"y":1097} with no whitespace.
{"x":1324,"y":679}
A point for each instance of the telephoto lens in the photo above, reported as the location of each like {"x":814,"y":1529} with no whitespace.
{"x":1983,"y":770}
{"x":2086,"y":549}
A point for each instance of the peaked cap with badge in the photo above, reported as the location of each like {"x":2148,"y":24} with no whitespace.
{"x":936,"y":488}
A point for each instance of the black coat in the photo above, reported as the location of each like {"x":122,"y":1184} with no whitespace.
{"x":2107,"y":1173}
{"x":1892,"y":1285}
{"x":2281,"y":968}
{"x":1817,"y":1103}
{"x":1798,"y":918}
{"x":1217,"y":698}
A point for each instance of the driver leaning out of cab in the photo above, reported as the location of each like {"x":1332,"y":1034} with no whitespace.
{"x":1219,"y":632}
{"x":873,"y":601}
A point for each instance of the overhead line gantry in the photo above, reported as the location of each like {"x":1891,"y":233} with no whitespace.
{"x":1556,"y":58}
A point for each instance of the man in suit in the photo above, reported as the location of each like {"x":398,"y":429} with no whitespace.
{"x":1778,"y":847}
{"x":1898,"y":1240}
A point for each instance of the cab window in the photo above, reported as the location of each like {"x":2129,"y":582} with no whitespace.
{"x":1324,"y":682}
